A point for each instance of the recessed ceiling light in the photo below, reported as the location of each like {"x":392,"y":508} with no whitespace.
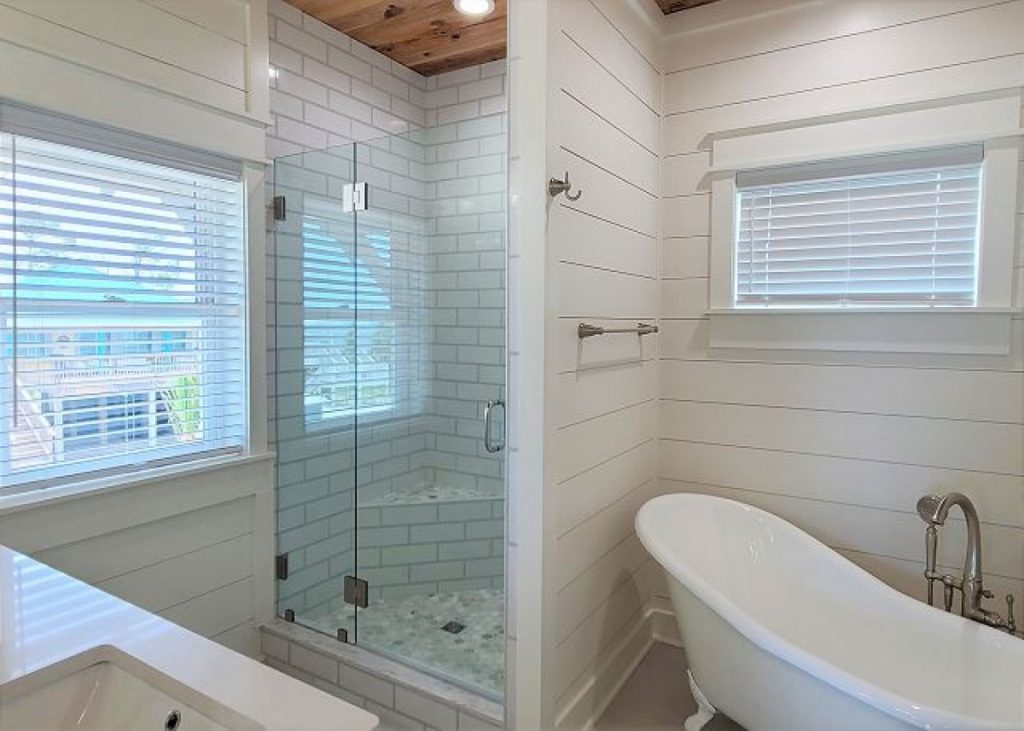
{"x":474,"y":8}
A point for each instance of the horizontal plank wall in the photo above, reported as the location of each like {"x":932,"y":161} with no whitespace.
{"x":190,"y":548}
{"x":186,"y":72}
{"x":604,"y":129}
{"x":192,"y":545}
{"x":840,"y":444}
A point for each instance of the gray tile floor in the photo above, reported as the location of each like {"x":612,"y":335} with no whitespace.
{"x":657,"y":697}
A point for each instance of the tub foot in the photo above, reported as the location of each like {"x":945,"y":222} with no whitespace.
{"x":705,"y":711}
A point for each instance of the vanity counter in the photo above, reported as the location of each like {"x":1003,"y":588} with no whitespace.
{"x":47,"y":617}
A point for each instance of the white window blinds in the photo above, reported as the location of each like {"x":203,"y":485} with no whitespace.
{"x":894,"y":230}
{"x":363,"y":315}
{"x":122,"y":313}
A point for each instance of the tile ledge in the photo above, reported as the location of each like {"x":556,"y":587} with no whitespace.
{"x":390,"y":670}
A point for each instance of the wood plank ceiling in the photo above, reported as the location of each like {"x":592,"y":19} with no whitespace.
{"x":674,"y":6}
{"x":428,"y":36}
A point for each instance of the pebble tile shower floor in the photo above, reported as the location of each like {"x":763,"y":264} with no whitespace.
{"x":411,"y":630}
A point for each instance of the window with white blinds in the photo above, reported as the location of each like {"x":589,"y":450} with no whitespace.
{"x":362,"y":316}
{"x":122,"y":313}
{"x":894,"y":230}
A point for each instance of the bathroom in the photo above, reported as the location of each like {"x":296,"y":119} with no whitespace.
{"x":558,"y":364}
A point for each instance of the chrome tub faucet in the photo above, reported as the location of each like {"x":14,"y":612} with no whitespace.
{"x":934,"y":509}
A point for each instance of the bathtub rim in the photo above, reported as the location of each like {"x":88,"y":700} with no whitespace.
{"x":928,"y":717}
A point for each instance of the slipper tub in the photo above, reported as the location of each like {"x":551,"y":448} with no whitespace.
{"x":783,"y":633}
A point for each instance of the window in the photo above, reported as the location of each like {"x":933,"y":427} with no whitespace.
{"x":890,"y":230}
{"x":349,"y":326}
{"x":122,"y":313}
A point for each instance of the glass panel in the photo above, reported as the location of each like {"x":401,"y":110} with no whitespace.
{"x":317,"y":275}
{"x":430,"y":343}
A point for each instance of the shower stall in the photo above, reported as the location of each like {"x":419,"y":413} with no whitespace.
{"x":388,"y":326}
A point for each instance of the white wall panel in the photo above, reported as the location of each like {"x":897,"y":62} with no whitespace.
{"x":605,"y":130}
{"x":899,"y":49}
{"x":842,"y":443}
{"x":193,"y":75}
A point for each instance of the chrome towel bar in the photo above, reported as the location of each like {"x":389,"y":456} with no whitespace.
{"x":586,"y":330}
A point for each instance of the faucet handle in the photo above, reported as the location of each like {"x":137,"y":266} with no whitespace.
{"x":947,"y":592}
{"x":1011,"y":622}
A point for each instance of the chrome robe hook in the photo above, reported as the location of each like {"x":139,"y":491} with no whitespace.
{"x":556,"y":186}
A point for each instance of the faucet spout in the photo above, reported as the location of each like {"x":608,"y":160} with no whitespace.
{"x":972,"y":561}
{"x":934,"y":510}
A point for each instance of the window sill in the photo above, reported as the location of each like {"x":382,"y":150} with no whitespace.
{"x":36,"y":497}
{"x":933,"y":330}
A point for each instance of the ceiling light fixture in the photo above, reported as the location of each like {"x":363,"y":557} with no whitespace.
{"x":474,"y":8}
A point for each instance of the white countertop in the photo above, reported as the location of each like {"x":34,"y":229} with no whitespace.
{"x":47,"y":616}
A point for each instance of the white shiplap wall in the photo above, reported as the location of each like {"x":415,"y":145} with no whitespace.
{"x":604,"y":128}
{"x":193,"y":545}
{"x":840,"y":444}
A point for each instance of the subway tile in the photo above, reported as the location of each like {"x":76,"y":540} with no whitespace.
{"x":392,"y":720}
{"x":408,"y":514}
{"x":349,"y":64}
{"x":462,"y":550}
{"x":314,"y":663}
{"x":436,"y":532}
{"x":425,"y":709}
{"x":369,"y":686}
{"x":301,"y":41}
{"x":390,"y":536}
{"x":403,"y":555}
{"x":441,"y":571}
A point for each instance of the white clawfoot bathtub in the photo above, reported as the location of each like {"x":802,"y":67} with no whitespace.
{"x":784,"y":634}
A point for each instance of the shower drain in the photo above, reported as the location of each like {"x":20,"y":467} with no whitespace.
{"x":453,"y":627}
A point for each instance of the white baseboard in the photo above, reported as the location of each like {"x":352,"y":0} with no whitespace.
{"x":598,"y":691}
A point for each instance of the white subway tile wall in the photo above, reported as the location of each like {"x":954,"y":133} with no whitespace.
{"x":439,"y":194}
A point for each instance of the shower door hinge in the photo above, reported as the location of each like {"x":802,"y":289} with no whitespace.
{"x":280,"y":208}
{"x":354,"y":197}
{"x":281,"y":566}
{"x":357,"y":592}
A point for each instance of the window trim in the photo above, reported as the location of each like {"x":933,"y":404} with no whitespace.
{"x":60,"y":129}
{"x":996,"y":239}
{"x":993,"y":123}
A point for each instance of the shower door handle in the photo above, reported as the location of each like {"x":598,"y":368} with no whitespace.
{"x":489,"y":443}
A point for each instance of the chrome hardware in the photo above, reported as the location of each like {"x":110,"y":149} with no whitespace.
{"x":934,"y":509}
{"x":173,"y":721}
{"x":489,"y":443}
{"x":556,"y":186}
{"x":354,"y":197}
{"x":586,"y":330}
{"x":947,"y":593}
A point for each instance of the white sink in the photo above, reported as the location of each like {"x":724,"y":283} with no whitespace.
{"x":105,"y":689}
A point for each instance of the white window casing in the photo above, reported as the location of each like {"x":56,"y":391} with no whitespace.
{"x":123,"y":312}
{"x":845,"y":169}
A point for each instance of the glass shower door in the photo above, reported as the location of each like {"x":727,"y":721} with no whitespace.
{"x":430,"y":472}
{"x":315,"y":282}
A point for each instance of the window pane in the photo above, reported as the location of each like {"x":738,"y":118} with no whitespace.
{"x":905,"y":237}
{"x":122,"y":301}
{"x":350,"y":362}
